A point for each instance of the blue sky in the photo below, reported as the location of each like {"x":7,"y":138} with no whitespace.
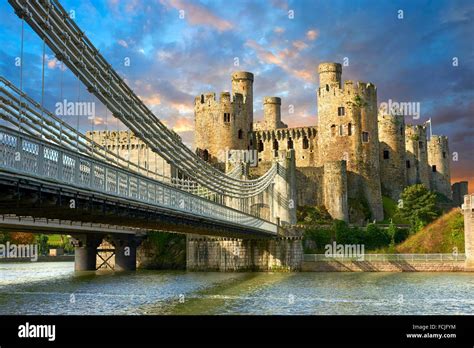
{"x":172,"y":59}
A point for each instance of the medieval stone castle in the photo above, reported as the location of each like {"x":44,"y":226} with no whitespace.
{"x":354,"y":154}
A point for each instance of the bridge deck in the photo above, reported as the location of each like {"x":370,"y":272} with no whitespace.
{"x":34,"y":173}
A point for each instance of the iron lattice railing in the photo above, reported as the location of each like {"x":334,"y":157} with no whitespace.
{"x":24,"y":154}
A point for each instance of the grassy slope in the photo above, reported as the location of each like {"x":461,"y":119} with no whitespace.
{"x":441,"y":236}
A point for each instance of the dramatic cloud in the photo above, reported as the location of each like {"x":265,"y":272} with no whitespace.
{"x":198,"y":14}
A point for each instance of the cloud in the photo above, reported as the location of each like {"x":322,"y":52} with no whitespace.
{"x":300,"y":45}
{"x":279,"y":30}
{"x":281,"y":59}
{"x":122,"y":43}
{"x":198,"y":15}
{"x":312,"y":34}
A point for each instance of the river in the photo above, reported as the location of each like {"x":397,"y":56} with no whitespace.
{"x":54,"y":288}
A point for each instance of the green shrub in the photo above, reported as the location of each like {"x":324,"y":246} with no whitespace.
{"x":376,"y":237}
{"x":418,"y":206}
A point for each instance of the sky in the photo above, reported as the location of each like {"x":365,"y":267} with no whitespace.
{"x":169,"y":51}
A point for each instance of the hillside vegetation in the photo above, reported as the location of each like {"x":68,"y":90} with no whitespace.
{"x":443,"y":235}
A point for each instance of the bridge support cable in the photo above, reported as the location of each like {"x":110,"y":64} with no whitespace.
{"x":51,"y":21}
{"x":21,"y":68}
{"x":42,"y":88}
{"x":65,"y":135}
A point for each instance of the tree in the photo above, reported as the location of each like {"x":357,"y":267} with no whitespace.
{"x":42,"y":240}
{"x":22,"y":238}
{"x":376,"y":237}
{"x":418,"y":206}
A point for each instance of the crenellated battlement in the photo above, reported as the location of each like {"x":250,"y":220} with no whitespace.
{"x":286,"y":133}
{"x":225,"y":98}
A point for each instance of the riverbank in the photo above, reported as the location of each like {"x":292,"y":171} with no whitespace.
{"x":62,"y":258}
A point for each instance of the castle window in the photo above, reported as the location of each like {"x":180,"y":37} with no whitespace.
{"x":205,"y":155}
{"x":408,"y":164}
{"x":226,"y":117}
{"x":290,"y":144}
{"x":275,"y":145}
{"x":444,"y":154}
{"x":305,"y":143}
{"x":365,"y":137}
{"x":202,"y":98}
{"x":260,"y":146}
{"x":349,"y":129}
{"x":386,"y":154}
{"x":401,"y":130}
{"x":333,"y":130}
{"x":420,"y":144}
{"x":327,"y":88}
{"x":433,"y":168}
{"x":341,"y":130}
{"x":240,"y":134}
{"x":341,"y":111}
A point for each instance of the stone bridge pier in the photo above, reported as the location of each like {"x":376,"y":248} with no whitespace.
{"x":284,"y":253}
{"x":124,"y":251}
{"x":468,"y":211}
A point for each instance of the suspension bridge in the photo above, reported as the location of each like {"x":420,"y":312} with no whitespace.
{"x":55,"y":178}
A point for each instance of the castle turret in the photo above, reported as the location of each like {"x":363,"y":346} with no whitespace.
{"x":348,"y":130}
{"x":330,"y":74}
{"x":242,"y":83}
{"x":438,"y":160}
{"x":272,"y":113}
{"x":392,"y":154}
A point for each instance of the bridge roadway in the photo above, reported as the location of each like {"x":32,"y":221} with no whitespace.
{"x":44,"y":180}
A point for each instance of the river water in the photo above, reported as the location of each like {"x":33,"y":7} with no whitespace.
{"x":54,"y":288}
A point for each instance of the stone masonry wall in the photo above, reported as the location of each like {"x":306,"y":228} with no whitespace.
{"x":223,"y":254}
{"x":382,"y":266}
{"x":468,"y":211}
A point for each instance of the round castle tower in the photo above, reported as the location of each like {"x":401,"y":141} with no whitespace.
{"x":224,"y":124}
{"x":348,"y":130}
{"x":392,"y":154}
{"x":242,"y":83}
{"x":438,"y":160}
{"x":272,"y":112}
{"x":417,"y":167}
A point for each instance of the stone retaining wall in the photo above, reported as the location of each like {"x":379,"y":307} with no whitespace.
{"x":383,"y":266}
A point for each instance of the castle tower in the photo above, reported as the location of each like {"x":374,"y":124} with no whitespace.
{"x":224,"y":125}
{"x":438,"y":160}
{"x":242,"y":83}
{"x":272,"y":113}
{"x":348,"y":130}
{"x":330,"y":74}
{"x":392,"y":154}
{"x":417,"y":167}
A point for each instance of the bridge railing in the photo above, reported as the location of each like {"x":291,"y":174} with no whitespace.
{"x":21,"y":153}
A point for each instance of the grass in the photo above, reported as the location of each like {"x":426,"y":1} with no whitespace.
{"x":443,"y":235}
